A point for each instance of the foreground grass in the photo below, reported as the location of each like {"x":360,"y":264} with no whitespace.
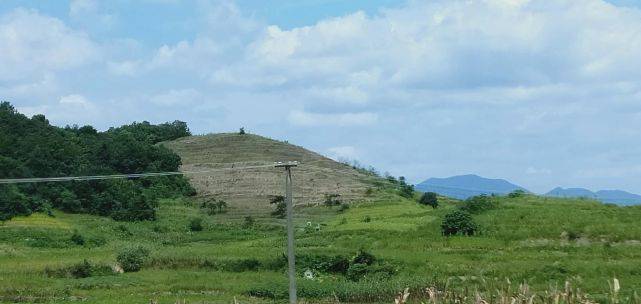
{"x":541,"y":241}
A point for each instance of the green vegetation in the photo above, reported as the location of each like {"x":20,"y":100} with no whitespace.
{"x":195,"y":224}
{"x":132,"y":259}
{"x":280,"y":210}
{"x":429,"y":199}
{"x":31,"y":147}
{"x":458,"y":222}
{"x":332,"y":200}
{"x":541,"y":241}
{"x":75,"y":246}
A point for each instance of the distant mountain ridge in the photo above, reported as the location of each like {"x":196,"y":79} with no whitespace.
{"x":465,"y":186}
{"x":608,"y":196}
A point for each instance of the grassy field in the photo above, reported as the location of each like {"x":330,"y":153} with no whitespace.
{"x":543,"y":242}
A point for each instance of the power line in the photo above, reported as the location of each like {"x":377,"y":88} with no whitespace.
{"x":118,"y":176}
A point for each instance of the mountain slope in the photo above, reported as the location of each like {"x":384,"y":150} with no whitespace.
{"x":608,"y":196}
{"x":571,"y":192}
{"x":465,"y":186}
{"x":315,"y":177}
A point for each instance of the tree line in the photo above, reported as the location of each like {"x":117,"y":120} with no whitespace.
{"x":32,"y":147}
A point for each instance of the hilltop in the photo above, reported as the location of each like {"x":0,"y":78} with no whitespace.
{"x":315,"y":177}
{"x":607,"y":196}
{"x":465,"y":186}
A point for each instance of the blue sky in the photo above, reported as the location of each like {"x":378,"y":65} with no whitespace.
{"x":543,"y":93}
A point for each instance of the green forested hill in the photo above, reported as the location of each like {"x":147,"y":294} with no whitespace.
{"x":31,"y":147}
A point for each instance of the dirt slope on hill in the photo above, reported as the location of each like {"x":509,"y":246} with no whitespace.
{"x":315,"y":177}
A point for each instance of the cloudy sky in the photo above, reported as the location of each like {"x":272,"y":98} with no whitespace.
{"x":543,"y":93}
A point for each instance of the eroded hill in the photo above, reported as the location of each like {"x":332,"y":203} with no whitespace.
{"x":316,"y":176}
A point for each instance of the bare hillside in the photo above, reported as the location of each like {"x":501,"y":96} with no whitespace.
{"x":315,"y":177}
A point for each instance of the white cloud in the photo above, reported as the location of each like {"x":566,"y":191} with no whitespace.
{"x":303,"y":118}
{"x":125,"y":68}
{"x":79,"y":7}
{"x":490,"y":87}
{"x":343,"y":153}
{"x":177,"y":97}
{"x":33,"y":44}
{"x":537,"y":171}
{"x":70,"y":109}
{"x":74,"y":100}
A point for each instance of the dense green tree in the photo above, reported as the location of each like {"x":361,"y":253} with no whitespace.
{"x":12,"y":202}
{"x":429,"y":199}
{"x":31,"y":147}
{"x":478,"y":204}
{"x":405,"y":190}
{"x":458,"y":222}
{"x":281,"y":206}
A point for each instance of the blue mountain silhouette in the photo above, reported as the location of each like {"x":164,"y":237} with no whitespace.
{"x":465,"y":186}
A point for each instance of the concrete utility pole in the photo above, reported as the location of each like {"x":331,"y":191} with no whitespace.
{"x":291,"y":258}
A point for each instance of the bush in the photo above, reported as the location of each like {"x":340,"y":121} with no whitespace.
{"x":243,"y":265}
{"x":281,"y":206}
{"x":369,"y":191}
{"x":195,"y":224}
{"x":343,"y":207}
{"x":77,"y":238}
{"x":133,"y":258}
{"x":367,"y":219}
{"x":123,"y":230}
{"x":214,"y":206}
{"x":356,"y":272}
{"x":429,"y":199}
{"x":323,"y":263}
{"x":405,"y":190}
{"x":248,"y":222}
{"x":516,"y":193}
{"x":363,"y":257}
{"x":479,"y":204}
{"x":458,"y":223}
{"x":332,"y":200}
{"x":160,"y":229}
{"x":81,"y":270}
{"x":84,"y":269}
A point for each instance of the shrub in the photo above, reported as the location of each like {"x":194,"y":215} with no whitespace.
{"x":478,"y":204}
{"x":84,"y":269}
{"x":363,"y":257}
{"x":195,"y":224}
{"x":81,"y":270}
{"x":367,"y":219}
{"x":356,"y":272}
{"x":343,"y":207}
{"x":160,"y":229}
{"x":243,"y":265}
{"x":458,"y":222}
{"x":405,"y":190}
{"x":369,"y":191}
{"x":281,"y":206}
{"x":516,"y":193}
{"x":123,"y":230}
{"x":248,"y":222}
{"x":214,"y":206}
{"x":77,"y":239}
{"x":133,"y":258}
{"x":429,"y":199}
{"x":332,"y":200}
